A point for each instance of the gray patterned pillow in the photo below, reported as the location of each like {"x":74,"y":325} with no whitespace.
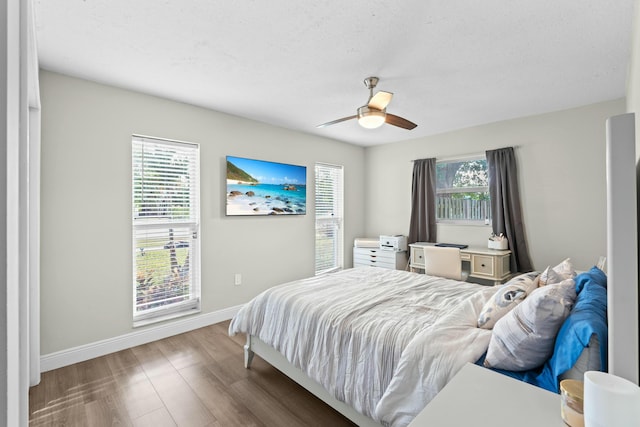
{"x":508,"y":296}
{"x":524,"y":338}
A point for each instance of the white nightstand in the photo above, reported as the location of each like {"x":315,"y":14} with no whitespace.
{"x":479,"y":397}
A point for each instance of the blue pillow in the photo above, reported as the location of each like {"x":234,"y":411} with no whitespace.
{"x":595,"y":274}
{"x":588,"y":317}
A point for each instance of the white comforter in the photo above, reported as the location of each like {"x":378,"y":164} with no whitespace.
{"x":383,"y":341}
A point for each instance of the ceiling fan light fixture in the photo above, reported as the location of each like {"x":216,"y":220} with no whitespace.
{"x":370,"y":118}
{"x":373,"y":114}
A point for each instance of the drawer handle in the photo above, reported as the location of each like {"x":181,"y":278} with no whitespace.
{"x":483,"y":265}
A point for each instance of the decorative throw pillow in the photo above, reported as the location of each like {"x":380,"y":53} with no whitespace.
{"x":560,"y":272}
{"x":524,"y":338}
{"x":508,"y":296}
{"x":549,"y":277}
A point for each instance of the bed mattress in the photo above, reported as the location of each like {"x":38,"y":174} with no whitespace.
{"x":383,"y":341}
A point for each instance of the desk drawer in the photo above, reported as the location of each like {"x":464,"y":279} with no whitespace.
{"x":417,"y":257}
{"x":482,"y":265}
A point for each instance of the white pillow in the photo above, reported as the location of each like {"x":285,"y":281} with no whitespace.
{"x":557,"y":274}
{"x":524,"y":338}
{"x":549,"y":277}
{"x":508,"y":296}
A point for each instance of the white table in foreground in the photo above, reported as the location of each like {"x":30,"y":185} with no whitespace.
{"x":479,"y":397}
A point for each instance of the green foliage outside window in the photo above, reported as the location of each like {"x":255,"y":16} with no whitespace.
{"x":462,"y":189}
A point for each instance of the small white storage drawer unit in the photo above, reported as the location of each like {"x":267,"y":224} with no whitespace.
{"x":375,"y":257}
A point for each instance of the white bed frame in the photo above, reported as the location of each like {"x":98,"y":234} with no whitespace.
{"x":277,"y":360}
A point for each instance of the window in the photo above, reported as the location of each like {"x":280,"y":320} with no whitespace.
{"x":166,"y":221}
{"x":328,"y":218}
{"x":462,"y":191}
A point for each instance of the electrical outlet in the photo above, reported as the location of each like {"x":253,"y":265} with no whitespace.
{"x":237,"y":279}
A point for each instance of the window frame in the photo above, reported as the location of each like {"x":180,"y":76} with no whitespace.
{"x":155,"y":223}
{"x":471,"y":189}
{"x":335,"y":220}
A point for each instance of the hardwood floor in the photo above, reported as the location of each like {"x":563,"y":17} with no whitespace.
{"x":193,"y":379}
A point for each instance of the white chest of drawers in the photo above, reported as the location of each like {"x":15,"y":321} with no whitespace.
{"x":375,"y":257}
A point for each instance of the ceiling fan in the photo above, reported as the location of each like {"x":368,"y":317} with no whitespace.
{"x":374,"y":113}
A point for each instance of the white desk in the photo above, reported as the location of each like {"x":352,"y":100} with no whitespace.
{"x":484,"y":263}
{"x":479,"y":397}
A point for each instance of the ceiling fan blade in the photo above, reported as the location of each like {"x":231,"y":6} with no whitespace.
{"x":392,"y":119}
{"x":336,"y":121}
{"x":380,"y":100}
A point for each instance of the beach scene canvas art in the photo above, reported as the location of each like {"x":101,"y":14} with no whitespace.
{"x":259,"y":187}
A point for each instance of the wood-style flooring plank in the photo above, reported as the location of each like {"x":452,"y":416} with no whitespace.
{"x":313,"y":411}
{"x":122,"y":361}
{"x":68,"y":415}
{"x":182,"y":351}
{"x":158,"y":418}
{"x":224,"y":407}
{"x":270,"y":410}
{"x":152,"y":360}
{"x":182,"y":403}
{"x":106,"y":412}
{"x":193,"y":379}
{"x":140,"y":398}
{"x":218,"y":345}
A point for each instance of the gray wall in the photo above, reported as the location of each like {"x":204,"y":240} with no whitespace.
{"x":561,"y":161}
{"x":86,"y":137}
{"x":86,"y":205}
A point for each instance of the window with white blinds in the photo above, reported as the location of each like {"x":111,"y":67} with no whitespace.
{"x":166,"y":222}
{"x":329,"y":201}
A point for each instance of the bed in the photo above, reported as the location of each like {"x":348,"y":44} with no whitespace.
{"x":375,"y":344}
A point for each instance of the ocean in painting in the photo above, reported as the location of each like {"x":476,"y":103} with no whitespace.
{"x":259,"y":187}
{"x":266,"y":199}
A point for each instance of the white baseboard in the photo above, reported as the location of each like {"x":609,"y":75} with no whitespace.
{"x":81,"y":353}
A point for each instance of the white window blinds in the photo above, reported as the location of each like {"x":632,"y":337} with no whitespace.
{"x":166,"y":221}
{"x":328,"y":204}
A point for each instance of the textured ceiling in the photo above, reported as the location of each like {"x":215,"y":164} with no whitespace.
{"x":296,"y":64}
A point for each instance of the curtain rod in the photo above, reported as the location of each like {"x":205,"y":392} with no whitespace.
{"x":465,"y":156}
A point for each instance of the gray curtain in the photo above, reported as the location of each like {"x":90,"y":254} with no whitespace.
{"x":423,"y":202}
{"x":506,"y":212}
